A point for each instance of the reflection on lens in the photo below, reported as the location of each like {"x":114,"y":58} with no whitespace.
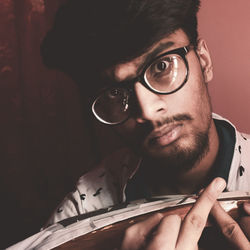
{"x":111,"y":106}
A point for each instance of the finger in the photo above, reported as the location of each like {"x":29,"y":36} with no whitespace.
{"x":166,"y":235}
{"x":246,"y":207}
{"x":244,"y":223}
{"x":230,"y":228}
{"x":195,"y":220}
{"x":136,"y":235}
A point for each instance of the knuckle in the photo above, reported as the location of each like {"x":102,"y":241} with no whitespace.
{"x":134,"y":230}
{"x":130,"y":232}
{"x":196,"y":221}
{"x":158,"y":215}
{"x":230,"y":229}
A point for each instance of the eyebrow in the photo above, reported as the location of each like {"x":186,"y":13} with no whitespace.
{"x":147,"y":58}
{"x":152,"y":54}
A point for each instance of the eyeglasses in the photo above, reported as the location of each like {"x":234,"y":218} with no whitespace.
{"x":164,"y":75}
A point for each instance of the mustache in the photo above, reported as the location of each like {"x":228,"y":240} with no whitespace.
{"x":143,"y":130}
{"x":175,"y":118}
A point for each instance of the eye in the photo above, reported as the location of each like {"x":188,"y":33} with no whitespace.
{"x":161,"y":66}
{"x":114,"y":93}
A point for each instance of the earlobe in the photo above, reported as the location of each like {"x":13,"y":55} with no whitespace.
{"x":205,"y":60}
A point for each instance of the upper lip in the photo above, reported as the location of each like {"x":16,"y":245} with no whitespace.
{"x":165,"y":129}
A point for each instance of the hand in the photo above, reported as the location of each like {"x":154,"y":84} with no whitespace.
{"x":245,"y":220}
{"x":231,"y":229}
{"x":159,"y":232}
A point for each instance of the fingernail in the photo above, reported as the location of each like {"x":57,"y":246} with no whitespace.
{"x":219,"y":184}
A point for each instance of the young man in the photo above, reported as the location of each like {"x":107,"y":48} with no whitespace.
{"x":148,"y":71}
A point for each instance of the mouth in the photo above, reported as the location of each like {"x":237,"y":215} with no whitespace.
{"x":165,"y":135}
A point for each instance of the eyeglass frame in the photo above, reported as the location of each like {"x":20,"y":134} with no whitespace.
{"x":182,"y":51}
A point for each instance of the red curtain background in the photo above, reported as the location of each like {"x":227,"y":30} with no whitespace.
{"x":46,"y":142}
{"x":43,"y":144}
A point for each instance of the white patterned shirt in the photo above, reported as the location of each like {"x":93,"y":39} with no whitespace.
{"x":105,"y":185}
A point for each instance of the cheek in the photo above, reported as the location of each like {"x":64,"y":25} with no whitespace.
{"x":194,"y":100}
{"x":133,"y":134}
{"x":201,"y":108}
{"x":127,"y":130}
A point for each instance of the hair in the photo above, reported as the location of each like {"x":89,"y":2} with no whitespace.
{"x":89,"y":36}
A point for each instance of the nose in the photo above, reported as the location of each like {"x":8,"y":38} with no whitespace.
{"x":151,"y":106}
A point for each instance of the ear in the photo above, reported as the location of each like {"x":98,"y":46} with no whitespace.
{"x":205,"y":60}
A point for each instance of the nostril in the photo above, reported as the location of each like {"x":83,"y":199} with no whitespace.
{"x":160,"y":109}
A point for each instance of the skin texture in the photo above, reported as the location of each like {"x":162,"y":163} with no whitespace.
{"x":179,"y":157}
{"x":168,"y":233}
{"x":162,"y":119}
{"x":237,"y":236}
{"x":245,"y":220}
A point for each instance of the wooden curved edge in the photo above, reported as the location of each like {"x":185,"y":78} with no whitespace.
{"x":110,"y":237}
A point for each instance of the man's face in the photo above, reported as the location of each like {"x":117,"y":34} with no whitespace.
{"x":174,"y":128}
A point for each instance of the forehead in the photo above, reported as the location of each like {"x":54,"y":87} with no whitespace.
{"x":175,"y":40}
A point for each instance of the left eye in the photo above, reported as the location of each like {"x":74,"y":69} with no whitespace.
{"x":162,"y":66}
{"x":114,"y":93}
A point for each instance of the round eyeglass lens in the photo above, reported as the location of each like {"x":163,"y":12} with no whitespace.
{"x":166,"y":74}
{"x":111,"y":107}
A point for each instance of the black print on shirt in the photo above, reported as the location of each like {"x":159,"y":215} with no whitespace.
{"x":242,"y":170}
{"x":83,"y":196}
{"x":240,"y":149}
{"x":244,"y":138}
{"x":97,"y":192}
{"x":59,"y":210}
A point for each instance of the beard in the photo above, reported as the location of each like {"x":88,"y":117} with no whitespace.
{"x":177,"y":157}
{"x":180,"y":156}
{"x":180,"y":159}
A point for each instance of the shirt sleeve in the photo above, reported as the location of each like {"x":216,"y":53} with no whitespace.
{"x":100,"y":188}
{"x":69,"y":207}
{"x":95,"y":190}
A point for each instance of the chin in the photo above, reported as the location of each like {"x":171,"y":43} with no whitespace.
{"x":182,"y":154}
{"x":181,"y":144}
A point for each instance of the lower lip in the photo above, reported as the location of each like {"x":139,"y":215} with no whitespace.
{"x":168,"y":138}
